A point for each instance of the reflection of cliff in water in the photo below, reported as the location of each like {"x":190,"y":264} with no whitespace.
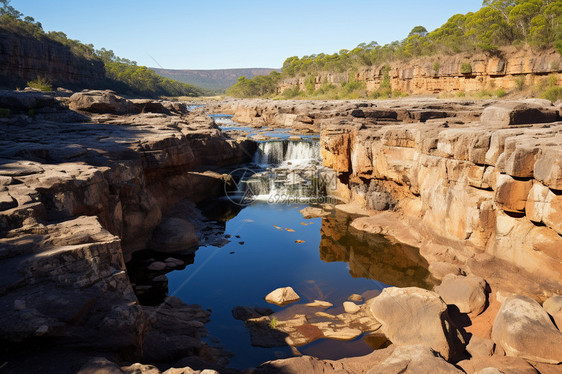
{"x":372,"y":256}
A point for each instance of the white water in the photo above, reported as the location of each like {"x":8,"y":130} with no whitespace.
{"x":287,"y":152}
{"x":293,"y":172}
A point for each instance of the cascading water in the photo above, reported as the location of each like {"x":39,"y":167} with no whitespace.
{"x":289,"y":171}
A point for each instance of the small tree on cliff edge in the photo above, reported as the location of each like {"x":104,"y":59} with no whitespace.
{"x":6,"y":8}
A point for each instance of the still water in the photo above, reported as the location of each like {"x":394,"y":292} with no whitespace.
{"x":330,"y":265}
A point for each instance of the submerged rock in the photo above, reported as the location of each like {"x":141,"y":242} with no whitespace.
{"x":313,"y":212}
{"x":282,"y":296}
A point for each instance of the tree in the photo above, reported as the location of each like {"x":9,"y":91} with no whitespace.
{"x":6,"y":8}
{"x":418,"y":30}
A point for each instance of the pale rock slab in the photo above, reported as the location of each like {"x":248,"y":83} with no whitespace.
{"x":524,"y":329}
{"x":282,"y":296}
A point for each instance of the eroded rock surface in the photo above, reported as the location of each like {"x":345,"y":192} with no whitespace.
{"x":79,"y":193}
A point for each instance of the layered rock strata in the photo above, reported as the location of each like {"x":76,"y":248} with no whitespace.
{"x":79,"y":193}
{"x":24,"y":58}
{"x":509,"y":68}
{"x":473,"y":190}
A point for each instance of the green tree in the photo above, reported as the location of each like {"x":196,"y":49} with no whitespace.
{"x":418,"y":30}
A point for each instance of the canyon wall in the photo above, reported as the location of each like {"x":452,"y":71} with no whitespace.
{"x":80,"y":191}
{"x":491,"y":186}
{"x":443,"y":74}
{"x":23,"y":59}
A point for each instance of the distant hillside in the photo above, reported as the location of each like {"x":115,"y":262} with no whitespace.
{"x":215,"y":80}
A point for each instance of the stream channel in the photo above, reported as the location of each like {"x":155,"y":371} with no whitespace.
{"x":270,"y":245}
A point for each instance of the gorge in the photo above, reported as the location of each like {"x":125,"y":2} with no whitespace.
{"x":92,"y":181}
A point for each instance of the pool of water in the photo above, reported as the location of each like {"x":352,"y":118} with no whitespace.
{"x":331,"y":264}
{"x":226,"y":124}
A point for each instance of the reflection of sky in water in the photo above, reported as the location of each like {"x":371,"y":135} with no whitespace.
{"x":270,"y":258}
{"x":225,"y":123}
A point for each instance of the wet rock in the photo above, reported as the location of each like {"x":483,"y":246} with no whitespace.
{"x":468,"y":293}
{"x":173,"y":262}
{"x":313,"y":212}
{"x":553,"y":306}
{"x":175,"y":330}
{"x":351,"y":307}
{"x":319,"y":304}
{"x":174,"y":235}
{"x":243,"y":313}
{"x":156,"y":266}
{"x":100,"y":365}
{"x":282,"y":296}
{"x":523,"y":329}
{"x":414,"y":359}
{"x":355,"y":297}
{"x":411,"y":316}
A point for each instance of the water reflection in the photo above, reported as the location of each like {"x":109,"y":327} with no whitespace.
{"x":372,"y":256}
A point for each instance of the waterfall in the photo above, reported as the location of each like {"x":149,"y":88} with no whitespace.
{"x":288,"y":152}
{"x":289,"y":171}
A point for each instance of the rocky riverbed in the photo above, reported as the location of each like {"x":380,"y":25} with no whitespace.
{"x":90,"y":179}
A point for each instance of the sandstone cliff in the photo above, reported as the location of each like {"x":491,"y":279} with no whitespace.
{"x":24,"y":58}
{"x":80,"y":191}
{"x":438,"y":74}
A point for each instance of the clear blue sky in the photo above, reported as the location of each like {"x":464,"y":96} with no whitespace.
{"x":216,"y":34}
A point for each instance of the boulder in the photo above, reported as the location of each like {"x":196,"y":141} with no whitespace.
{"x":174,"y":235}
{"x":351,"y":307}
{"x":282,"y":296}
{"x":509,"y":113}
{"x":480,"y":347}
{"x":553,"y":306}
{"x":504,"y":364}
{"x":411,"y":316}
{"x":523,"y":329}
{"x":149,"y":106}
{"x":468,"y":293}
{"x":100,"y":365}
{"x":414,"y":359}
{"x":101,"y":102}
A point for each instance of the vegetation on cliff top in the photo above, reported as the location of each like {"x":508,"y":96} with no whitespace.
{"x":533,"y":23}
{"x":122,"y":75}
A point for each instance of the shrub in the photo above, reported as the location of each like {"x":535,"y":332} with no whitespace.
{"x":4,"y":112}
{"x":500,"y":92}
{"x":466,"y":68}
{"x":40,"y":83}
{"x":553,"y":94}
{"x":436,"y":67}
{"x":290,"y":93}
{"x":520,"y":82}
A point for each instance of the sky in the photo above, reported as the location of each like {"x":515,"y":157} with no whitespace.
{"x":220,"y":34}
